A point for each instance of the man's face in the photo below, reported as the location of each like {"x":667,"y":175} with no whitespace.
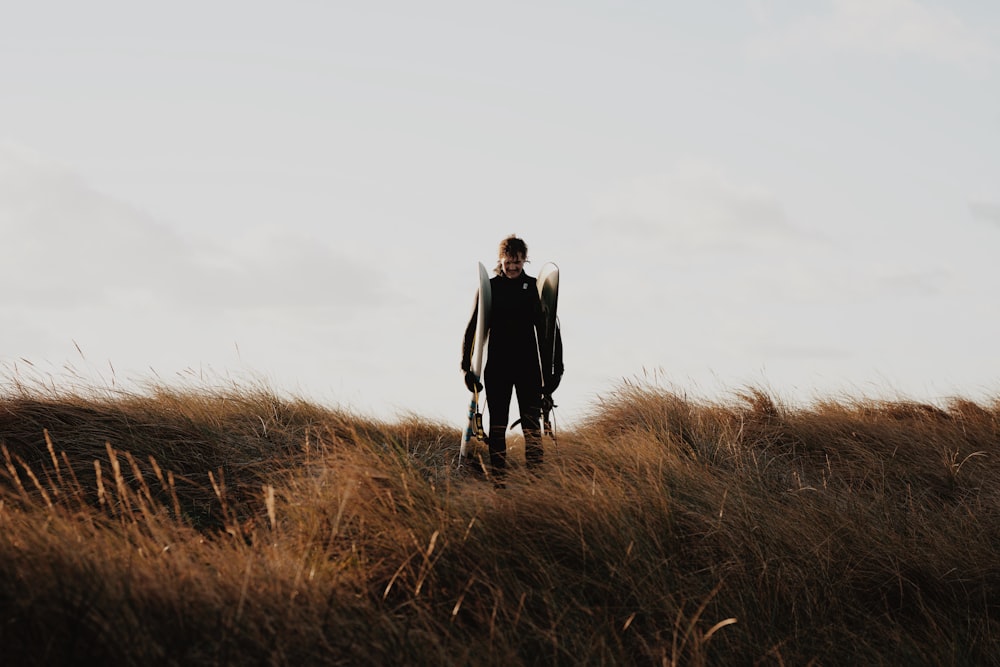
{"x":512,"y":265}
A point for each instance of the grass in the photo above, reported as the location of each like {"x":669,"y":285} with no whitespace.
{"x":234,"y":526}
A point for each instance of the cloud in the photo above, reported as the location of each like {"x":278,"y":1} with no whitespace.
{"x":70,"y":246}
{"x":66,"y":244}
{"x":891,"y":28}
{"x":85,"y":271}
{"x":901,"y":281}
{"x":987,"y":211}
{"x":693,"y":207}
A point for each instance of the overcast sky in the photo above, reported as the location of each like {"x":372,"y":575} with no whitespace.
{"x":800,"y":196}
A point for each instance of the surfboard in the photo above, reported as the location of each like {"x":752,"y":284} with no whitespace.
{"x":548,"y":295}
{"x":475,"y":425}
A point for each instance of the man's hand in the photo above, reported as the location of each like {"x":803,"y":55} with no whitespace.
{"x":472,"y":382}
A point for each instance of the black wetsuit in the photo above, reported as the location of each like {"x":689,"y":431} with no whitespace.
{"x":513,"y":364}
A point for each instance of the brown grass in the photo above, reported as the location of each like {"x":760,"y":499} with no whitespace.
{"x":239,"y":527}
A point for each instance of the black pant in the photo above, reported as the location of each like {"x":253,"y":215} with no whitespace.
{"x":501,"y":381}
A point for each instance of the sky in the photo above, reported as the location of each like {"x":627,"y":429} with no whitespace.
{"x":798,"y":196}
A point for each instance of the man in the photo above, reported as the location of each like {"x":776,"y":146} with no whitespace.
{"x":514,"y":363}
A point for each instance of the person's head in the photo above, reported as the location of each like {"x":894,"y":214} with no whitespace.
{"x":512,"y":255}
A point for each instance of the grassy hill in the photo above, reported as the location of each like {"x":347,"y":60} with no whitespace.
{"x":239,"y":527}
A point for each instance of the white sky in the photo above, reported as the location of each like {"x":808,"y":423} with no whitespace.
{"x":802,"y":196}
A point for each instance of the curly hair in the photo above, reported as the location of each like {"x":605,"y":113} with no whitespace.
{"x":511,"y":246}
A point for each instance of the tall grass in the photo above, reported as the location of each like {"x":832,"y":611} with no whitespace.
{"x":239,"y":527}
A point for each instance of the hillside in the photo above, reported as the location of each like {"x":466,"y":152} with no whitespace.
{"x":239,"y":527}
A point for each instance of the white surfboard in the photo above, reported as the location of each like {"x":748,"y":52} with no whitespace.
{"x":475,"y":425}
{"x":548,"y":295}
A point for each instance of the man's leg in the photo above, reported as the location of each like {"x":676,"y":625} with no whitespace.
{"x":529,"y":403}
{"x":498,"y":394}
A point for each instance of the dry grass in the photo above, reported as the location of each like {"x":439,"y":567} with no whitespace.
{"x":239,"y":527}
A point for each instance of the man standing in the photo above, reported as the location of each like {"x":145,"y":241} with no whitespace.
{"x":514,"y":363}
